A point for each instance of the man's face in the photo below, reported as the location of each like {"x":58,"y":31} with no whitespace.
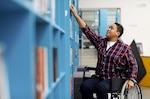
{"x":112,"y":32}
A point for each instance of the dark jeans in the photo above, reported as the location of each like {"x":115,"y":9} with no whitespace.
{"x":95,"y":84}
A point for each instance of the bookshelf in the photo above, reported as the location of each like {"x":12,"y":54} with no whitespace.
{"x":74,"y":46}
{"x":26,"y":26}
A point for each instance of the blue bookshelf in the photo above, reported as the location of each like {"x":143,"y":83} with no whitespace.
{"x":74,"y":45}
{"x":22,"y":30}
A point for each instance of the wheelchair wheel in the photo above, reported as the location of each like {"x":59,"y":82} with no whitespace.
{"x":133,"y":93}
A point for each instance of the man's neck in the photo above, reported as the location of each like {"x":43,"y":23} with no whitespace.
{"x":112,"y":40}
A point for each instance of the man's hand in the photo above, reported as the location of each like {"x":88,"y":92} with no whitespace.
{"x":130,"y":84}
{"x":81,"y":23}
{"x":73,"y":10}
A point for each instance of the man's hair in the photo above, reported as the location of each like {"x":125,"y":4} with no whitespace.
{"x":119,"y":29}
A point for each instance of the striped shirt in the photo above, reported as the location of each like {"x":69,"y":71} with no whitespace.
{"x":119,"y":55}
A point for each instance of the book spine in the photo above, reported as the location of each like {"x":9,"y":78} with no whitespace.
{"x":40,"y":72}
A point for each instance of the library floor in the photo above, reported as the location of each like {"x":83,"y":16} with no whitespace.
{"x":145,"y":92}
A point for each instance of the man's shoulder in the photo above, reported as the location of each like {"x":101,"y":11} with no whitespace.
{"x":125,"y":45}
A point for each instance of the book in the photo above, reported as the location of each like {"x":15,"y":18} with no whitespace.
{"x":55,"y":64}
{"x":41,"y":6}
{"x":41,"y":71}
{"x":71,"y":34}
{"x":71,"y":56}
{"x":71,"y":86}
{"x":4,"y":84}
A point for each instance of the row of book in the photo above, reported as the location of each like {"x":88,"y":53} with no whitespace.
{"x":42,"y":70}
{"x":40,"y":6}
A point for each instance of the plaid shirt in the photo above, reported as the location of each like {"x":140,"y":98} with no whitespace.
{"x":119,"y":55}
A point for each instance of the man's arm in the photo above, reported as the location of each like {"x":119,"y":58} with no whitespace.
{"x":81,"y":23}
{"x":90,"y":34}
{"x":133,"y":68}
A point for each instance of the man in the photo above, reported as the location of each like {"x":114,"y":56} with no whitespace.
{"x":112,"y":53}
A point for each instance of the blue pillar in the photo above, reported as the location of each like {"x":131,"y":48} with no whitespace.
{"x":117,"y":15}
{"x":102,"y":22}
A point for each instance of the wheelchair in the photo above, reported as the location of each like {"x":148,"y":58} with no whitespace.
{"x":118,"y":87}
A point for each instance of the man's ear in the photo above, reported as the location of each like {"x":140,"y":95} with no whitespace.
{"x":118,"y":33}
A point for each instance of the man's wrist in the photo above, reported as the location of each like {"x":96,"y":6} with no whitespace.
{"x":132,"y":79}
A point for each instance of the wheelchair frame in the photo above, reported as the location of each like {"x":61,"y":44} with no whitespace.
{"x":123,"y":93}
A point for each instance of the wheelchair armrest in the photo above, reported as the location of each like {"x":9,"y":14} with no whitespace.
{"x":87,"y":69}
{"x":91,"y":68}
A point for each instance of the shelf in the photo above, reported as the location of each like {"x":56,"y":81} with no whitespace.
{"x":9,"y":6}
{"x":23,"y":30}
{"x":42,"y":18}
{"x":58,"y":80}
{"x":56,"y":27}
